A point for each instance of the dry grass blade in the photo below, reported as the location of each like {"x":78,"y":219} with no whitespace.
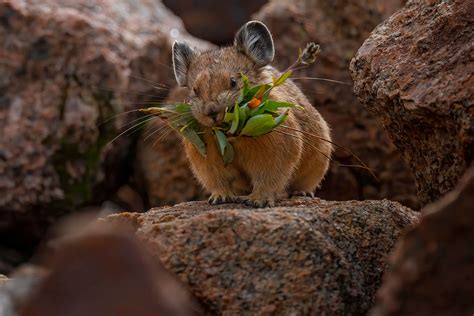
{"x":362,"y":164}
{"x":322,"y":79}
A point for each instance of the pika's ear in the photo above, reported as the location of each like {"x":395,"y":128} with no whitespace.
{"x":254,"y":40}
{"x":183,"y":54}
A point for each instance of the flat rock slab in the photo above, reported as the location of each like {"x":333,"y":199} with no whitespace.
{"x":303,"y":256}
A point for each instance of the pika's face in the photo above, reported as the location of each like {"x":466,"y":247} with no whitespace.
{"x":213,"y":78}
{"x":214,"y":82}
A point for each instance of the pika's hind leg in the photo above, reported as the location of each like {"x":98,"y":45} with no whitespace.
{"x":269,"y":161}
{"x":308,"y":176}
{"x":314,"y":162}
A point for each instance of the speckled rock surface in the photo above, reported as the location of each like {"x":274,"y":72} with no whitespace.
{"x":415,"y":73}
{"x":63,"y":68}
{"x":303,"y":256}
{"x":340,"y":27}
{"x":432,"y":269}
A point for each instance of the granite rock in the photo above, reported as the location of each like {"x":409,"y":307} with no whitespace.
{"x":305,"y":256}
{"x":415,"y":74}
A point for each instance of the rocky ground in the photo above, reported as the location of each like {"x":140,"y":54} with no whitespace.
{"x":66,"y":67}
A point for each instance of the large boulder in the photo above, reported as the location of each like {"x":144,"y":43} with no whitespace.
{"x":415,"y":73}
{"x":340,"y":27}
{"x":305,"y":256}
{"x":106,"y":274}
{"x":65,"y":68}
{"x":93,"y":272}
{"x":432,"y":269}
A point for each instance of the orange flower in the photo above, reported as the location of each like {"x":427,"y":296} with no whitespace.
{"x":254,"y":103}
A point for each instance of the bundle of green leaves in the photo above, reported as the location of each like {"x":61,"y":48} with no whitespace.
{"x":254,"y":113}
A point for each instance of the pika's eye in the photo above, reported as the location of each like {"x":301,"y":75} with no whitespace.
{"x":195,"y":90}
{"x":233,"y":83}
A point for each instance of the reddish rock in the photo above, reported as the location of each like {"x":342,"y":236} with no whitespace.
{"x":340,"y":27}
{"x":415,"y":73}
{"x":215,"y":21}
{"x":64,"y":68}
{"x":432,"y":269}
{"x":305,"y":256}
{"x":106,"y":274}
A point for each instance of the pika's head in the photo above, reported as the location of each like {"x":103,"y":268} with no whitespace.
{"x":213,"y":78}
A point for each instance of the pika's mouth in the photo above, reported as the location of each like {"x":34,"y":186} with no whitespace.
{"x":212,"y":119}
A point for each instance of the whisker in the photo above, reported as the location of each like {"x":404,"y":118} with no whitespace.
{"x":117,"y":115}
{"x":162,"y":136}
{"x":135,"y":120}
{"x":150,"y":81}
{"x":321,"y":79}
{"x":362,"y":166}
{"x":306,"y":142}
{"x":312,"y":92}
{"x":128,"y":129}
{"x":299,"y":68}
{"x":335,"y":144}
{"x":129,"y":92}
{"x":165,"y":125}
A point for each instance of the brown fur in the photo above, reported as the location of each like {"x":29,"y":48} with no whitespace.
{"x":267,"y":167}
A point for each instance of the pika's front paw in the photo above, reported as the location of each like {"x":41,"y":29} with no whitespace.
{"x":258,"y":202}
{"x":302,"y":193}
{"x":216,"y":199}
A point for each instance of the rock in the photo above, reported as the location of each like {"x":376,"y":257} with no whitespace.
{"x":415,"y":74}
{"x":215,"y":21}
{"x":432,"y":268}
{"x":107,"y":273}
{"x":65,"y":68}
{"x":305,"y":256}
{"x":340,"y":27}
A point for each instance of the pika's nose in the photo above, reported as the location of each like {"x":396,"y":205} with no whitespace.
{"x":213,"y":114}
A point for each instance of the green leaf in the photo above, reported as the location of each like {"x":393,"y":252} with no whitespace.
{"x":225,"y":148}
{"x":194,"y":138}
{"x":272,"y":105}
{"x":244,"y":113}
{"x":281,"y":80}
{"x":259,"y":109}
{"x":182,"y":108}
{"x":228,"y":154}
{"x":228,"y":117}
{"x":245,"y":80}
{"x":235,"y":121}
{"x":258,"y":125}
{"x":280,"y":119}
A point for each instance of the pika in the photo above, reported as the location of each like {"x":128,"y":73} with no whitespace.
{"x":265,"y":168}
